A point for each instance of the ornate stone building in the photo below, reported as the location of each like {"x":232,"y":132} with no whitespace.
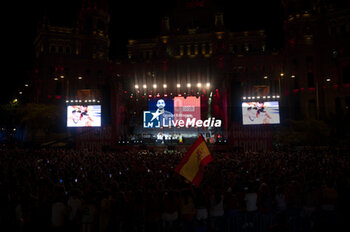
{"x":69,"y":59}
{"x":318,"y":58}
{"x":196,"y":54}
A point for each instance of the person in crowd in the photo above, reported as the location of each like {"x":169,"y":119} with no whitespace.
{"x":105,"y":211}
{"x":201,"y":205}
{"x":216,"y":210}
{"x":251,"y":198}
{"x":231,"y":206}
{"x":264,"y":199}
{"x":152,"y":214}
{"x":187,"y":210}
{"x":170,"y":211}
{"x":280,"y":199}
{"x":59,"y":212}
{"x":75,"y":207}
{"x":89,"y":213}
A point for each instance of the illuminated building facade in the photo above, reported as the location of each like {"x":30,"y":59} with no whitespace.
{"x":75,"y":58}
{"x":318,"y":58}
{"x":196,"y":54}
{"x":195,"y":48}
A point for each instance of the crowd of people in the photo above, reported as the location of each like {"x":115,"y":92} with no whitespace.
{"x":69,"y":190}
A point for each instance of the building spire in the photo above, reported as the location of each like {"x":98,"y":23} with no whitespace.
{"x":219,"y":21}
{"x":165,"y":25}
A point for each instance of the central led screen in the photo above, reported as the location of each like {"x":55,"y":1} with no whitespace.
{"x":187,"y":108}
{"x":165,"y":112}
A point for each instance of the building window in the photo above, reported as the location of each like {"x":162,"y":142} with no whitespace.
{"x":309,"y":63}
{"x":87,"y":72}
{"x":188,"y":49}
{"x":310,"y":80}
{"x":53,"y":49}
{"x":100,"y":25}
{"x":333,"y":31}
{"x":312,"y":109}
{"x":347,"y":105}
{"x":247,"y":47}
{"x":192,"y":50}
{"x":346,"y":74}
{"x":295,"y":62}
{"x":99,"y":73}
{"x":308,"y":59}
{"x":58,"y":88}
{"x":242,"y":50}
{"x":177,"y":50}
{"x":338,"y":110}
{"x":334,"y":54}
{"x":235,"y":49}
{"x":207,"y":48}
{"x":343,"y":29}
{"x":89,"y":24}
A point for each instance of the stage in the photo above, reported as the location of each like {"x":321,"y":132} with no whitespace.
{"x":161,"y":148}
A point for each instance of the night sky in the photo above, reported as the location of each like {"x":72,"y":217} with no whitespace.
{"x":22,"y":17}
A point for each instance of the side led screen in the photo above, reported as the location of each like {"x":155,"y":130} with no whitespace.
{"x":84,"y":116}
{"x":256,"y":113}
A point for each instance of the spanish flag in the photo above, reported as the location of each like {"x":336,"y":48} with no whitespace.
{"x":192,"y":165}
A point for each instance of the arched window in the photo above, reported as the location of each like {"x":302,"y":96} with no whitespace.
{"x":53,"y":49}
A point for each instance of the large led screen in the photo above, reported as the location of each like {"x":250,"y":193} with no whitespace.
{"x":189,"y":107}
{"x":256,"y":113}
{"x":161,"y":109}
{"x":165,"y":112}
{"x":84,"y":116}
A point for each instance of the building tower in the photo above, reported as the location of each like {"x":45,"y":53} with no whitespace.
{"x":93,"y":26}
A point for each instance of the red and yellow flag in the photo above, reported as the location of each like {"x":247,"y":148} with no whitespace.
{"x":192,"y":165}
